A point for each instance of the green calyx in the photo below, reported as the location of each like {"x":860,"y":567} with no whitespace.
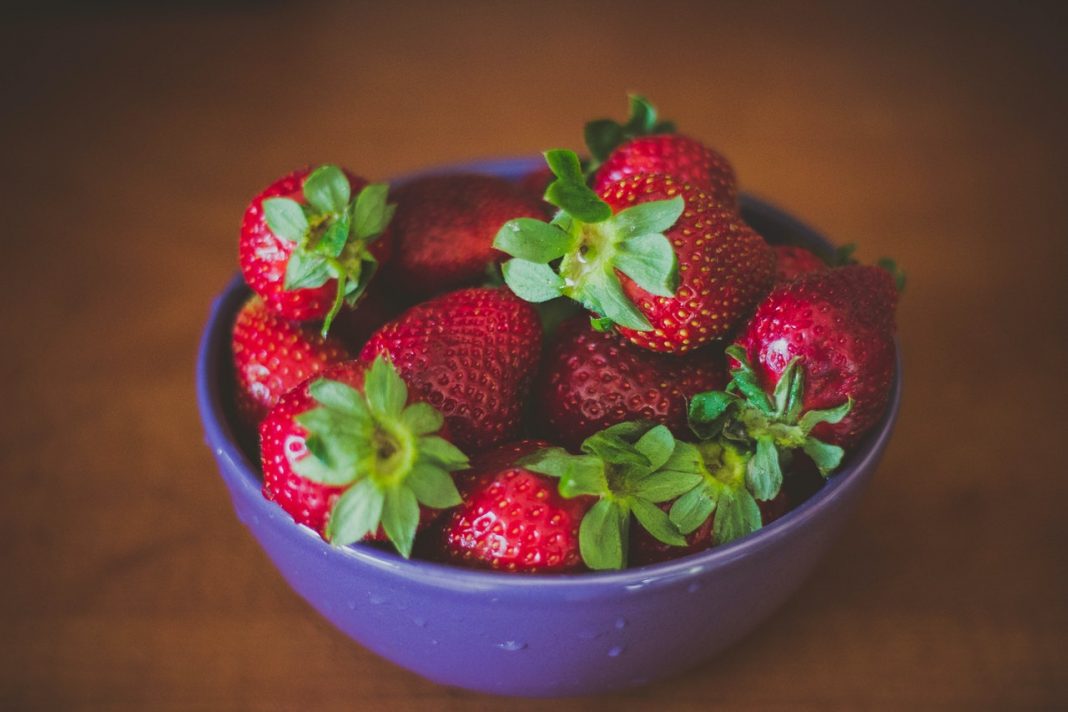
{"x":577,"y":255}
{"x":604,"y":135}
{"x":383,"y":451}
{"x":723,"y":467}
{"x":626,"y":467}
{"x":331,"y":232}
{"x":769,"y":428}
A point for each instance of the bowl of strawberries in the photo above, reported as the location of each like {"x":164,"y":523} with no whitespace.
{"x":547,"y":426}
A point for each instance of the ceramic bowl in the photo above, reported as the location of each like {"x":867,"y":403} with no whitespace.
{"x":537,"y":635}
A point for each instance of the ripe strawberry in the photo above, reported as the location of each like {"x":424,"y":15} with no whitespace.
{"x":513,"y":519}
{"x":665,"y":263}
{"x":272,"y":355}
{"x":646,"y":145}
{"x":472,"y":354}
{"x":306,"y":242}
{"x":791,"y":262}
{"x":348,"y":455}
{"x":681,"y":157}
{"x":444,"y":229}
{"x":812,"y":371}
{"x":590,"y":380}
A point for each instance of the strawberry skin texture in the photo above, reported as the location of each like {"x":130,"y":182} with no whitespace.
{"x":725,"y":268}
{"x":264,"y":256}
{"x":841,"y":325}
{"x":685,"y":159}
{"x":591,"y":380}
{"x":472,"y":354}
{"x":444,"y":229}
{"x":272,"y":355}
{"x":513,"y":519}
{"x":281,"y":437}
{"x":791,"y":262}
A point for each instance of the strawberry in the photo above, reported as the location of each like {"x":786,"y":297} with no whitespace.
{"x":791,"y":262}
{"x":513,"y":519}
{"x":812,"y":371}
{"x":645,"y":145}
{"x":306,"y":242}
{"x":667,"y":265}
{"x":590,"y":380}
{"x":272,"y":355}
{"x":348,"y":455}
{"x":472,"y":354}
{"x":444,"y":229}
{"x":629,"y":469}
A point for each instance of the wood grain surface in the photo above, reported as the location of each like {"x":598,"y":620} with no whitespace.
{"x":133,"y":137}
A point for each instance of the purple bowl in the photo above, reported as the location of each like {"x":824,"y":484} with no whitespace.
{"x":537,"y":635}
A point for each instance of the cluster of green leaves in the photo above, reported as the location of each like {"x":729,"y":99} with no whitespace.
{"x":630,"y":469}
{"x":768,"y":428}
{"x":576,"y":255}
{"x":383,"y":451}
{"x":331,"y":232}
{"x":604,"y":135}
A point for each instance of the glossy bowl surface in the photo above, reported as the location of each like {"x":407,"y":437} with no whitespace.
{"x":536,"y":635}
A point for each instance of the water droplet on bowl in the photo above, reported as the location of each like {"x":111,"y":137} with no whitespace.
{"x":377,"y":600}
{"x":421,"y":622}
{"x":693,"y":587}
{"x":615,"y":651}
{"x":592,"y":634}
{"x":621,"y":623}
{"x":352,"y":605}
{"x":512,"y":646}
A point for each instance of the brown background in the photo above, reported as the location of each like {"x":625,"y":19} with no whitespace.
{"x":133,"y":138}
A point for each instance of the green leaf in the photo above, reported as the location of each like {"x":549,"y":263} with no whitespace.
{"x":685,"y":458}
{"x":371,"y":213}
{"x":400,"y":519}
{"x":691,"y":510}
{"x":737,"y":515}
{"x":285,"y":218}
{"x":584,"y":476}
{"x":440,"y":450}
{"x":532,"y":281}
{"x":834,"y":415}
{"x":613,"y":449}
{"x":656,"y":521}
{"x":827,"y":457}
{"x":332,"y":243}
{"x":662,"y":486}
{"x":306,"y":270}
{"x":340,"y":397}
{"x":708,"y":411}
{"x":607,"y":298}
{"x":314,"y":466}
{"x":601,"y":536}
{"x":578,"y":200}
{"x":356,"y":514}
{"x":533,"y":240}
{"x":651,"y":218}
{"x":764,"y":476}
{"x":602,"y":136}
{"x":896,"y":272}
{"x":565,"y":165}
{"x":785,"y":387}
{"x":551,"y":461}
{"x":651,"y":262}
{"x":642,"y":116}
{"x":433,"y":486}
{"x":745,"y":380}
{"x":422,"y":418}
{"x":327,"y":189}
{"x":385,"y":390}
{"x":657,"y":445}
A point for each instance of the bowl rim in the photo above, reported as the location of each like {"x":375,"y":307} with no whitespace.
{"x":220,"y":437}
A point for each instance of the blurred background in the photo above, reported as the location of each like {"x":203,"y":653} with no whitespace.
{"x":133,"y":136}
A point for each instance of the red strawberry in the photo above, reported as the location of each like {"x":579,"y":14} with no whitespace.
{"x":513,"y":519}
{"x":665,"y":263}
{"x":306,"y":242}
{"x":590,"y":380}
{"x":444,"y":229}
{"x":812,"y":372}
{"x":348,"y":455}
{"x":472,"y":354}
{"x":681,"y":157}
{"x":272,"y":355}
{"x":791,"y":262}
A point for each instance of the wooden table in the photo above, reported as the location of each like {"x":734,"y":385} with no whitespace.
{"x":133,"y":138}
